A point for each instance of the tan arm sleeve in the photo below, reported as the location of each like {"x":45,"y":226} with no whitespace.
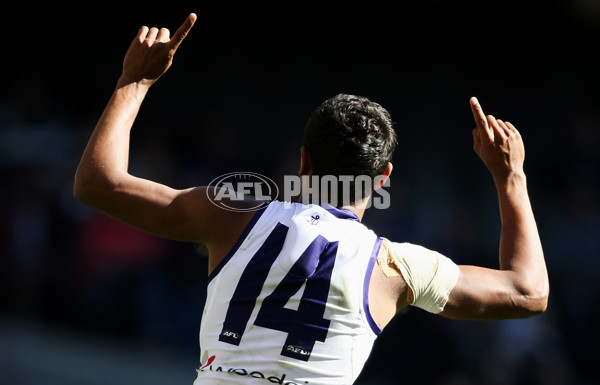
{"x":430,"y":275}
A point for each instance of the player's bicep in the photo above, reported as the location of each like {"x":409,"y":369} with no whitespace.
{"x":429,"y":275}
{"x":482,"y":293}
{"x":154,"y":207}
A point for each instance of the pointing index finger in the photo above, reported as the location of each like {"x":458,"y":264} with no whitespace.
{"x":478,"y":115}
{"x":182,"y":31}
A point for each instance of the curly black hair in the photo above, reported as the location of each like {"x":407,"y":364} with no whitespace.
{"x":350,"y":135}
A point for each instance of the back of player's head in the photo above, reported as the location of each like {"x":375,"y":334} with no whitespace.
{"x":350,"y":135}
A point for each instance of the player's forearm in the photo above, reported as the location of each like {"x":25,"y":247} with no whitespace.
{"x":520,"y":247}
{"x":105,"y":160}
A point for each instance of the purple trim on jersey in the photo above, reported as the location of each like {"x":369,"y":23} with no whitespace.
{"x":262,"y":208}
{"x":343,"y":214}
{"x":372,"y":260}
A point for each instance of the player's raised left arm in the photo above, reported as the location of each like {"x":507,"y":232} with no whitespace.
{"x":102,"y":180}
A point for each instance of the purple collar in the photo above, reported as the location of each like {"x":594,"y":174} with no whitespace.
{"x":342,"y":214}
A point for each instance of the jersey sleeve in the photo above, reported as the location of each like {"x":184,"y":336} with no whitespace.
{"x":430,"y":275}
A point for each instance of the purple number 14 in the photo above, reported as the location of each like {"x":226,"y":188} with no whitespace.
{"x":303,"y":326}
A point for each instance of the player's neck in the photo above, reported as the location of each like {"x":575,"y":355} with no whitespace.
{"x":357,"y":208}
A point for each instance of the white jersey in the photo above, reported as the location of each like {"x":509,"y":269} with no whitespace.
{"x":288,"y":304}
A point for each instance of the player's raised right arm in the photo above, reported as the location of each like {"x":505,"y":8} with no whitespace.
{"x":520,"y":286}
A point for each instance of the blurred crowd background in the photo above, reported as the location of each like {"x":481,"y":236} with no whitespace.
{"x":87,"y":300}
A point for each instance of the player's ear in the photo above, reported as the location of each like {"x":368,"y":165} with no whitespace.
{"x":384,"y":176}
{"x":305,"y":162}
